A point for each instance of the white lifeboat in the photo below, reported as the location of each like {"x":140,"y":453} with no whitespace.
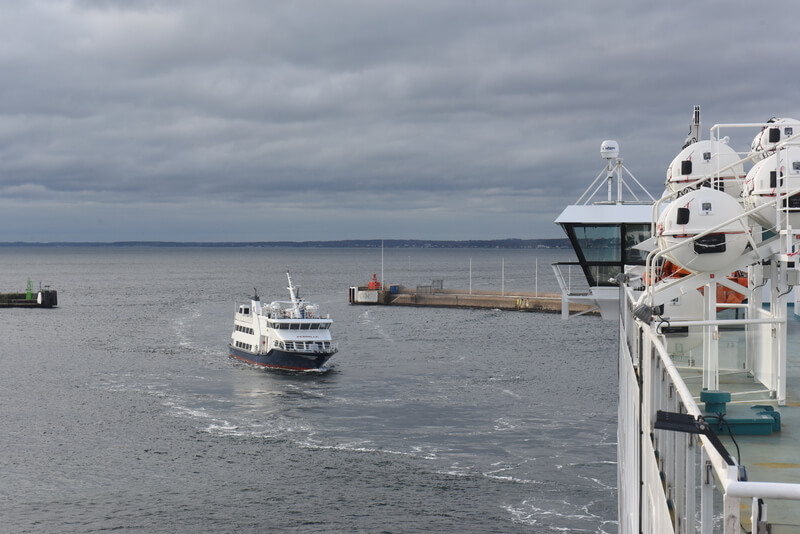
{"x":687,"y":307}
{"x":777,"y":130}
{"x":707,"y":158}
{"x":693,"y":214}
{"x":777,"y":174}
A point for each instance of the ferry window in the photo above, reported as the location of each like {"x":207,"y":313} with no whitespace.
{"x":635,"y":234}
{"x":602,"y":273}
{"x":599,"y":243}
{"x":305,"y":326}
{"x":295,"y":326}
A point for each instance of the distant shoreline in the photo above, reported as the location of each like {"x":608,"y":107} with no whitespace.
{"x":346,"y":243}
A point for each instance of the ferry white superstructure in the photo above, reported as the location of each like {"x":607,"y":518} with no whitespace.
{"x":290,"y":335}
{"x":604,"y":235}
{"x":709,"y":400}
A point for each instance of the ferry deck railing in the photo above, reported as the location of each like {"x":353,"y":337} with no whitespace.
{"x":311,"y":347}
{"x":572,"y":290}
{"x":565,"y":280}
{"x":672,"y":481}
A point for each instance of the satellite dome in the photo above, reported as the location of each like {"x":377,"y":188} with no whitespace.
{"x":609,"y":149}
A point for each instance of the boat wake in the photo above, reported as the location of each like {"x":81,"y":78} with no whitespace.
{"x":553,"y":515}
{"x":376,"y":326}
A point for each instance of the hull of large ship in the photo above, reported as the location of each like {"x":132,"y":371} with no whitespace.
{"x":279,"y":359}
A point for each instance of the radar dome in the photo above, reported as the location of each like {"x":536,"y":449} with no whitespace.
{"x":609,"y":149}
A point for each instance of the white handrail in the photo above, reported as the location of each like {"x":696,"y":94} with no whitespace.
{"x":727,"y":475}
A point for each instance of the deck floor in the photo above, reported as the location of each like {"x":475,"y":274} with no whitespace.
{"x":773,"y":458}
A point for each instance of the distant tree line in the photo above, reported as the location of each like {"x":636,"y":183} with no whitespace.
{"x":343,"y":243}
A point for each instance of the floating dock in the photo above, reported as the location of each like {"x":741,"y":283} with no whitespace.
{"x":431,"y":296}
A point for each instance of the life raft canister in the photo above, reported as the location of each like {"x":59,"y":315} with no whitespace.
{"x":693,"y":214}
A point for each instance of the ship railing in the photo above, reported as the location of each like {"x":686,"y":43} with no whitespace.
{"x":573,"y":281}
{"x":312,"y":347}
{"x":667,"y":480}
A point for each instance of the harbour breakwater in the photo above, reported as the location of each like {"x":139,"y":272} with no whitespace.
{"x":434,"y":297}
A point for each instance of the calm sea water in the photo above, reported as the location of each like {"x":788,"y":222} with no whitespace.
{"x":121,"y":409}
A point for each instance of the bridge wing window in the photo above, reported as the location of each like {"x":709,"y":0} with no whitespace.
{"x":604,"y":249}
{"x":598,"y":243}
{"x":635,"y":234}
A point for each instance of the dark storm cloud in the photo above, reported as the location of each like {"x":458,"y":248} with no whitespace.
{"x":170,"y":120}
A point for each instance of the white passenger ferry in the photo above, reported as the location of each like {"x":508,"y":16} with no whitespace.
{"x":290,"y":335}
{"x":709,"y":373}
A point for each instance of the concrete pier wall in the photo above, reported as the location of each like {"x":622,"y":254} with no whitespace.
{"x":455,"y":298}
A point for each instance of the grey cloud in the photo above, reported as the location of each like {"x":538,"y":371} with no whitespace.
{"x":407,"y":113}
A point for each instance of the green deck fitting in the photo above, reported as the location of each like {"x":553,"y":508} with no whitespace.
{"x":715,"y":400}
{"x":756,"y":420}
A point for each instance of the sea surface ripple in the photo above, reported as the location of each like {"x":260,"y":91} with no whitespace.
{"x":122,"y":410}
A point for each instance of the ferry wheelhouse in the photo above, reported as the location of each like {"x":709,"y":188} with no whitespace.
{"x":290,"y":335}
{"x":604,"y":235}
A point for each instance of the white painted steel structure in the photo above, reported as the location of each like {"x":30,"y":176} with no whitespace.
{"x":591,"y":223}
{"x":291,"y":334}
{"x":679,"y":482}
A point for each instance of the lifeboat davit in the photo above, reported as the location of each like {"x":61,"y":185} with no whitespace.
{"x":707,"y":158}
{"x":725,"y":295}
{"x":777,"y":174}
{"x":693,"y":214}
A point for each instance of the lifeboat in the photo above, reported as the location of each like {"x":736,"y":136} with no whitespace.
{"x":693,"y":214}
{"x":707,"y":158}
{"x":680,"y":340}
{"x":778,"y":173}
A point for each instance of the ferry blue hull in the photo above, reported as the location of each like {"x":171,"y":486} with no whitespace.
{"x":278,"y":359}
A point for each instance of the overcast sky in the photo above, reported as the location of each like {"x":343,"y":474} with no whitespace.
{"x":251,"y":120}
